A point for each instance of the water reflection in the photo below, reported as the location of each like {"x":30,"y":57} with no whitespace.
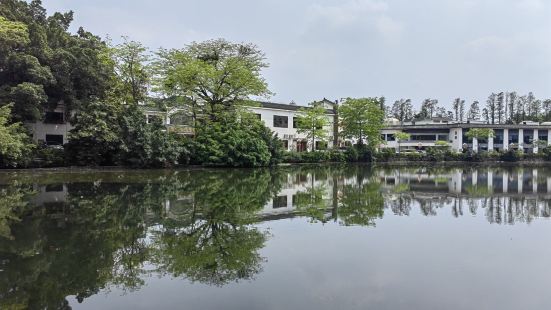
{"x":77,"y":234}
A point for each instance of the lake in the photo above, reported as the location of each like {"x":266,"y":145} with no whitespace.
{"x":299,"y":237}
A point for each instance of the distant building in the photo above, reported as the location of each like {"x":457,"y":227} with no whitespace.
{"x":528,"y":136}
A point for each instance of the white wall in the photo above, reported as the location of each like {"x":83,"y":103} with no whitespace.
{"x":290,"y":134}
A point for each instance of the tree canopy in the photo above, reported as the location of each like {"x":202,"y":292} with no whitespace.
{"x":42,"y":64}
{"x":312,"y":121}
{"x":362,"y":118}
{"x":219,"y":74}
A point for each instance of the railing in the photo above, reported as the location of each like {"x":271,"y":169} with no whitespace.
{"x":181,"y":129}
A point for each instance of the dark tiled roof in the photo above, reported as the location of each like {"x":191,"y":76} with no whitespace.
{"x":287,"y":107}
{"x":281,"y":106}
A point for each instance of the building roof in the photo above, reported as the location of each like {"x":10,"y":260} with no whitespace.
{"x":286,"y":107}
{"x":281,"y":106}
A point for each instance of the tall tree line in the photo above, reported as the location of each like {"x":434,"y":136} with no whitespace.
{"x":499,"y":108}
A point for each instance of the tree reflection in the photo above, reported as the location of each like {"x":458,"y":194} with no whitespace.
{"x":106,"y":231}
{"x":210,"y":239}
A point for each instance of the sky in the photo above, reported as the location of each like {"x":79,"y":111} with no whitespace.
{"x":416,"y":49}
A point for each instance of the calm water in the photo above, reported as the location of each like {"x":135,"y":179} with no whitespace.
{"x":348,"y":237}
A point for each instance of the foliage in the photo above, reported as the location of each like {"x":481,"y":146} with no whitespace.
{"x":480,"y":133}
{"x":15,"y":144}
{"x":96,"y":137}
{"x":221,"y":74}
{"x":402,"y":110}
{"x":362,"y":118}
{"x":45,"y":156}
{"x":42,"y":64}
{"x":236,"y":141}
{"x":402,"y":136}
{"x":108,"y":134}
{"x":313,"y":121}
{"x":130,"y":60}
{"x":512,"y":156}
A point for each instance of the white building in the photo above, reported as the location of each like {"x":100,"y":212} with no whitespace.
{"x":53,"y":130}
{"x":527,"y":136}
{"x":280,"y":118}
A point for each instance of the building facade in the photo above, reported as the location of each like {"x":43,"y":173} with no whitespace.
{"x":280,"y":118}
{"x":528,"y":136}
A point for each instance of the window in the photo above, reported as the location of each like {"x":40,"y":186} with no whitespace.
{"x":295,"y":122}
{"x":54,"y":118}
{"x":57,"y":187}
{"x":281,"y":121}
{"x":280,"y":202}
{"x":390,"y":137}
{"x":259,"y":116}
{"x":423,"y":137}
{"x":54,"y":139}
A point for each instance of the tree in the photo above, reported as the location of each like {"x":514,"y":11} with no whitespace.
{"x":239,"y":140}
{"x":428,"y":108}
{"x":546,"y":107}
{"x":401,"y":136}
{"x":96,"y":136}
{"x":511,"y":99}
{"x":312,"y":121}
{"x":362,"y":118}
{"x":500,"y":107}
{"x":131,"y":68}
{"x":491,"y":108}
{"x":15,"y":144}
{"x":459,"y":108}
{"x":474,"y":111}
{"x":521,"y":109}
{"x":43,"y":65}
{"x":219,"y":74}
{"x":402,"y":110}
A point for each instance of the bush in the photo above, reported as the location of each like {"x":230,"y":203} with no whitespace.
{"x":49,"y":157}
{"x":235,"y":141}
{"x":385,"y":154}
{"x":352,"y":154}
{"x":512,"y":156}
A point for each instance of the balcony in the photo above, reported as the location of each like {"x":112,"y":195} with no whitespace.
{"x":181,"y":129}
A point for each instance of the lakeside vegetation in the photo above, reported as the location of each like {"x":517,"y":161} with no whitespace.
{"x":103,"y":88}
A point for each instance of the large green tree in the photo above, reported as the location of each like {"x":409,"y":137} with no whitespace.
{"x":42,"y":64}
{"x":216,"y":75}
{"x":362,"y":118}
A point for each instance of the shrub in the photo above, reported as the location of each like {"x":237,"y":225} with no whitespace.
{"x":512,"y":156}
{"x":385,"y":154}
{"x":235,"y":141}
{"x":352,"y":154}
{"x":49,"y":157}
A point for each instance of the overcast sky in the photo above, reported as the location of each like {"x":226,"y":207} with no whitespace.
{"x":414,"y":49}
